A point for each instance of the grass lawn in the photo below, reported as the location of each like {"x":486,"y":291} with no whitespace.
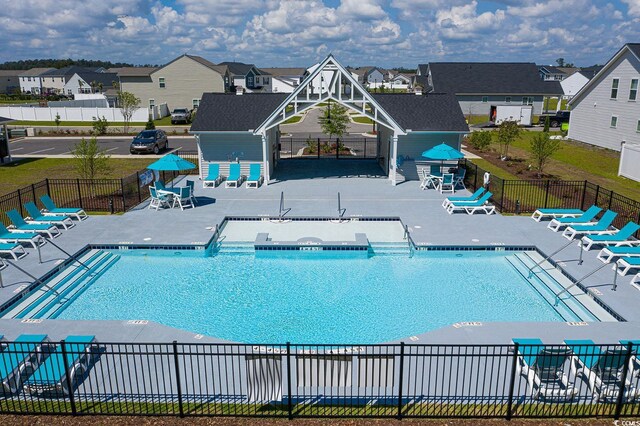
{"x":68,"y":123}
{"x":477,"y":119}
{"x":16,"y":101}
{"x":30,"y":170}
{"x":293,"y":120}
{"x":552,"y":104}
{"x":362,"y":120}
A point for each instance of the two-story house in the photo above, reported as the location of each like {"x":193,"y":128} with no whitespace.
{"x":244,"y":77}
{"x":30,"y":80}
{"x":9,"y":81}
{"x":551,"y":73}
{"x":606,"y":111}
{"x":282,"y":80}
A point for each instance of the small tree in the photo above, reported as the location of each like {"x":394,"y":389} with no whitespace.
{"x":129,"y":104}
{"x":508,"y":132}
{"x":480,"y":140}
{"x":542,"y":148}
{"x":57,"y":121}
{"x":100,"y":126}
{"x":150,"y":124}
{"x":334,"y":120}
{"x":90,"y":160}
{"x":546,"y":124}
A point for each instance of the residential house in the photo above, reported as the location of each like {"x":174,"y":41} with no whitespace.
{"x":576,"y":81}
{"x":244,"y":77}
{"x":371,"y":76}
{"x":90,"y":82}
{"x":400,"y":81}
{"x":9,"y":81}
{"x":479,"y":85}
{"x":282,"y":80}
{"x":30,"y":81}
{"x":551,"y":73}
{"x":54,"y":80}
{"x":178,"y":84}
{"x":421,"y":78}
{"x":605,"y":111}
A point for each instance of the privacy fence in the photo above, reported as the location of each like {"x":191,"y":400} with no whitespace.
{"x":97,"y":195}
{"x":287,"y":380}
{"x":525,"y":196}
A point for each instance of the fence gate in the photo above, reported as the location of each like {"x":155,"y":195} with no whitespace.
{"x":337,"y":148}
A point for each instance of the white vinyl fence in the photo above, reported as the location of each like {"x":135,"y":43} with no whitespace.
{"x":70,"y":113}
{"x":630,"y":161}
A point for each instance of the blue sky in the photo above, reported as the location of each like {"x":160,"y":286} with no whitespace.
{"x":301,"y":32}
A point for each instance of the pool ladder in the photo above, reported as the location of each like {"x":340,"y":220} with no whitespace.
{"x":38,"y":280}
{"x":407,"y":236}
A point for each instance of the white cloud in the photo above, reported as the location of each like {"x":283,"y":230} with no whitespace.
{"x":463,"y":22}
{"x":633,"y":7}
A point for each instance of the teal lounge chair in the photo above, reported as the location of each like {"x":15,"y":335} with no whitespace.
{"x":50,"y":376}
{"x":41,"y":228}
{"x":213,"y":178}
{"x":52,"y":209}
{"x":32,"y":238}
{"x":19,"y":358}
{"x":602,"y":227}
{"x":15,"y":250}
{"x":255,"y":178}
{"x":619,"y":238}
{"x":540,"y":214}
{"x":38,"y":217}
{"x":472,"y":197}
{"x":543,"y":369}
{"x":607,"y":254}
{"x":586,"y":217}
{"x":601,"y":370}
{"x":625,"y":264}
{"x":472,"y":206}
{"x":235,"y":178}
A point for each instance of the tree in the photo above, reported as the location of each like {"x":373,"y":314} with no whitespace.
{"x":546,"y":124}
{"x":57,"y":121}
{"x":507,"y":133}
{"x":129,"y":104}
{"x":90,"y":160}
{"x":480,"y":140}
{"x":100,"y":126}
{"x":560,"y":62}
{"x":542,"y":148}
{"x":150,"y":124}
{"x":334,"y":120}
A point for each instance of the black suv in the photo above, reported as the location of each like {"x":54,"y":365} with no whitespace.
{"x":148,"y":141}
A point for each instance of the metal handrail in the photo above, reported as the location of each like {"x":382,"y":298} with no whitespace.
{"x":38,"y":280}
{"x":407,"y":236}
{"x":341,"y":211}
{"x":75,"y":258}
{"x":548,"y":257}
{"x":578,"y":282}
{"x":283,"y":211}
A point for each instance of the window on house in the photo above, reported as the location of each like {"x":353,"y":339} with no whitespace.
{"x":485,"y":99}
{"x":265,"y":80}
{"x":195,"y":103}
{"x":638,"y":126}
{"x":614,"y":121}
{"x":161,"y":82}
{"x":614,"y":88}
{"x":633,"y":90}
{"x":152,"y":103}
{"x":507,"y":99}
{"x":527,"y":100}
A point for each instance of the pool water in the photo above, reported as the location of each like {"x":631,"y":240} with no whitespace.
{"x":312,"y":298}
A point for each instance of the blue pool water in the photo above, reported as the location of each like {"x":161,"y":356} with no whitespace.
{"x":312,"y":299}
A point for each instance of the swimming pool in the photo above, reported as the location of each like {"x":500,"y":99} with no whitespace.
{"x":314,"y":297}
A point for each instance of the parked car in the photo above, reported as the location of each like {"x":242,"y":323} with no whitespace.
{"x":149,"y":141}
{"x":180,"y":115}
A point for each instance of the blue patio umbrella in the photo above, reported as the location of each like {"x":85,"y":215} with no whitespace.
{"x":171,"y":162}
{"x":443,"y":152}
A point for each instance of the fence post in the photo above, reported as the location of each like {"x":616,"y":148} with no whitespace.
{"x":502,"y":197}
{"x":138,"y":185}
{"x":400,"y":381}
{"x":318,"y":150}
{"x":595,"y":201}
{"x":475,"y":177}
{"x":20,"y":203}
{"x":289,"y":401}
{"x":79,"y":193}
{"x":46,"y":181}
{"x":124,"y":198}
{"x":623,"y":381}
{"x":512,"y":381}
{"x":33,"y":193}
{"x":178,"y":385}
{"x":610,"y":199}
{"x":584,"y":195}
{"x":72,"y":400}
{"x":546,"y":193}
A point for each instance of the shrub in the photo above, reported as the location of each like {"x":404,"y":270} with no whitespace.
{"x":480,"y":140}
{"x":100,"y":125}
{"x":150,"y":125}
{"x":542,"y":148}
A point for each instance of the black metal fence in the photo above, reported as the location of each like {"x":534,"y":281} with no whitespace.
{"x":97,"y":195}
{"x":525,"y":196}
{"x":318,"y":148}
{"x":287,"y":380}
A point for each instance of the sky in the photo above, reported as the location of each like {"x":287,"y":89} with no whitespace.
{"x":270,"y":33}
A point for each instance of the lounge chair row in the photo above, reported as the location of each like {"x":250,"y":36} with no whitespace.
{"x":33,"y":363}
{"x":601,"y":370}
{"x":33,"y":229}
{"x":477,"y":202}
{"x":235,"y":178}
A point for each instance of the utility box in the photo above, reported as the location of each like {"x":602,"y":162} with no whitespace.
{"x":521,"y":114}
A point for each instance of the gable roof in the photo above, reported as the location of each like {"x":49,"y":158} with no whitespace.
{"x":432,"y":112}
{"x":635,"y":48}
{"x":423,"y":69}
{"x":10,"y":73}
{"x":238,"y":68}
{"x":591,"y":72}
{"x":66,"y":71}
{"x":34,"y":72}
{"x":219,"y":112}
{"x":106,"y":78}
{"x":490,"y":78}
{"x":551,"y":69}
{"x":199,"y":59}
{"x":133,"y":71}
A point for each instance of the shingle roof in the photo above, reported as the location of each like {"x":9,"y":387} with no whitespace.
{"x":35,"y":72}
{"x":230,"y":112}
{"x":284,"y":71}
{"x":238,"y":68}
{"x":66,"y":71}
{"x":199,"y":59}
{"x":635,"y":48}
{"x":432,"y":112}
{"x":10,"y":73}
{"x":590,"y":72}
{"x":551,"y":69}
{"x":424,"y":69}
{"x":490,"y":77}
{"x":133,"y":71}
{"x":106,"y":78}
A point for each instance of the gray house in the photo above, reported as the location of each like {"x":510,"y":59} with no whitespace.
{"x":605,"y":111}
{"x":244,"y":77}
{"x":479,"y":85}
{"x":9,"y":81}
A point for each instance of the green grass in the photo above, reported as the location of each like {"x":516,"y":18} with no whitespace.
{"x":70,"y":123}
{"x":16,"y":101}
{"x":293,"y":120}
{"x":477,"y":119}
{"x":31,"y":170}
{"x":362,"y":120}
{"x":552,"y":103}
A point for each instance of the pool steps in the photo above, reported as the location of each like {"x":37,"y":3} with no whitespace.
{"x":69,"y":284}
{"x":548,"y":282}
{"x":378,"y":249}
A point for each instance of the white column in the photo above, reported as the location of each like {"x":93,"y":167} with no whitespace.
{"x":265,"y":158}
{"x":200,"y":162}
{"x":394,"y":163}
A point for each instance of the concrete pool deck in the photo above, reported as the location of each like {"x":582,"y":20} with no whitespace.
{"x":364,"y":191}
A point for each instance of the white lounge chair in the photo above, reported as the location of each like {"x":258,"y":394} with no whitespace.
{"x":234,"y":179}
{"x":472,"y":197}
{"x":584,"y":218}
{"x":540,"y":214}
{"x":213,"y":178}
{"x":607,"y":254}
{"x":601,"y":227}
{"x":618,"y":239}
{"x":50,"y":209}
{"x":625,"y":264}
{"x":470,"y":207}
{"x":255,"y":178}
{"x":14,"y":250}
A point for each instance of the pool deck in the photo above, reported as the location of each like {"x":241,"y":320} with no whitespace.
{"x":364,"y":191}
